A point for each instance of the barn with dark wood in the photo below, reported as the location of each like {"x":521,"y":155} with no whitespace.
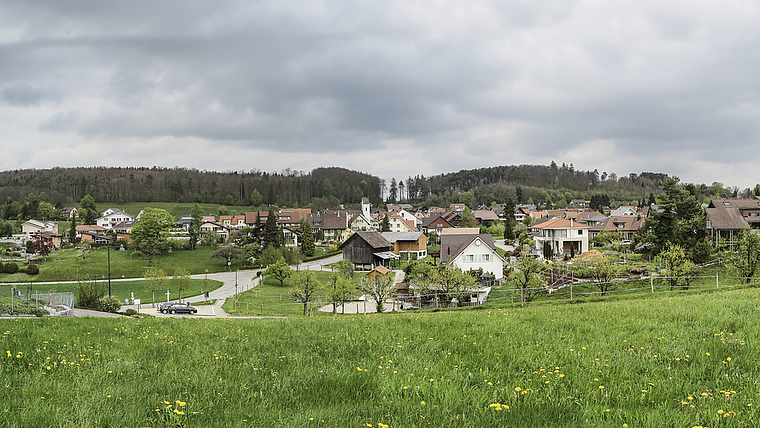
{"x":367,"y":250}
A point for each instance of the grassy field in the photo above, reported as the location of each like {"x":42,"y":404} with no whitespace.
{"x":64,"y":265}
{"x":676,"y":361}
{"x":269,"y":298}
{"x":121,"y":289}
{"x":175,"y":208}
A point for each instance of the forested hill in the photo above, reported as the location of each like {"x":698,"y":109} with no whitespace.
{"x":539,"y":184}
{"x":67,"y":186}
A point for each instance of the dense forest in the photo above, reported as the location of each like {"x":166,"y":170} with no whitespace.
{"x":289,"y":188}
{"x":552,"y":186}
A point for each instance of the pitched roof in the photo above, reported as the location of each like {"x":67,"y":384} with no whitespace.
{"x":460,"y":231}
{"x":559,"y":223}
{"x":485,"y":215}
{"x":625,"y":223}
{"x":372,"y":238}
{"x":85,"y":227}
{"x":332,"y":220}
{"x":401,"y":236}
{"x":726,"y":218}
{"x":453,"y":245}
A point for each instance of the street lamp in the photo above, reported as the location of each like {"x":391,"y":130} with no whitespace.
{"x":109,"y":268}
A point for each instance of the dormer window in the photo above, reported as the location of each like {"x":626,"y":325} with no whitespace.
{"x":726,"y":204}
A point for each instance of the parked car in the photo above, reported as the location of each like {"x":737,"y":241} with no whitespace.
{"x":179,"y":308}
{"x":160,"y":307}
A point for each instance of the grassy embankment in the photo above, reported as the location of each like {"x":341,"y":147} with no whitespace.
{"x":676,"y":361}
{"x":269,"y":298}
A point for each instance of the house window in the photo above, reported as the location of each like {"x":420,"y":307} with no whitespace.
{"x":580,"y":232}
{"x":470,"y":258}
{"x":486,"y":257}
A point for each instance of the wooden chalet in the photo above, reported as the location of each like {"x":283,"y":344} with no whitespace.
{"x":367,"y":250}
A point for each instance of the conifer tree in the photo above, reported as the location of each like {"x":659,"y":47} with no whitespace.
{"x":271,"y":231}
{"x":307,"y":239}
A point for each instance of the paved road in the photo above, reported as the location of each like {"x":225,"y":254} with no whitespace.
{"x":245,"y":280}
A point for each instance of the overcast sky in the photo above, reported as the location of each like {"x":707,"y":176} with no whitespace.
{"x":392,"y":88}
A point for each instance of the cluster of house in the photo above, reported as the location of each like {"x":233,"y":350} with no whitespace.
{"x":565,"y":231}
{"x":111,"y":225}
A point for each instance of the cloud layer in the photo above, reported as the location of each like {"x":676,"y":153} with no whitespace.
{"x":393,"y":88}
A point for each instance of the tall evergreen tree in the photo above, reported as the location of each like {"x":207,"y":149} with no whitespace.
{"x":385,"y":225}
{"x":73,"y":229}
{"x":271,"y":231}
{"x":307,"y":239}
{"x":195,"y":225}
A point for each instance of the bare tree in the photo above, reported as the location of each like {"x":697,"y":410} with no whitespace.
{"x":380,"y":287}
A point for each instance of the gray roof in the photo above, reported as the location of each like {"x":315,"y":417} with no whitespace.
{"x":452,"y":245}
{"x":401,"y":236}
{"x":726,"y":218}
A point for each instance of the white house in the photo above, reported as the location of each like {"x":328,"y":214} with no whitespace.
{"x":563,"y":235}
{"x":32,"y":227}
{"x":112,"y":217}
{"x":472,"y":252}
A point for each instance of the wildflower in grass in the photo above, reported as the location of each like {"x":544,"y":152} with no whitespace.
{"x":518,"y":389}
{"x":422,"y":403}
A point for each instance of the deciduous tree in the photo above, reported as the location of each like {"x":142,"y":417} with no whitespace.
{"x":181,"y":280}
{"x":340,"y":290}
{"x":745,"y":255}
{"x":279,"y":271}
{"x":680,"y":268}
{"x":527,"y":277}
{"x":155,"y":280}
{"x":151,"y":233}
{"x":379,"y":288}
{"x":603,"y":272}
{"x":306,"y":285}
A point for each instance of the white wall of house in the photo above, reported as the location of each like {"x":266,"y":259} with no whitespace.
{"x":479,"y":255}
{"x":557,"y":238}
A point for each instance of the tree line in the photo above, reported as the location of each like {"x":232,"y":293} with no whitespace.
{"x":114,"y":185}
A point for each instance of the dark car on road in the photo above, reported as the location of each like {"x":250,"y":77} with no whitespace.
{"x":179,"y":308}
{"x":161,"y":306}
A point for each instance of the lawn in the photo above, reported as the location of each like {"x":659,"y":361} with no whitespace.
{"x":121,"y":289}
{"x":269,"y":298}
{"x":65,"y":265}
{"x":176,"y":209}
{"x":674,"y":361}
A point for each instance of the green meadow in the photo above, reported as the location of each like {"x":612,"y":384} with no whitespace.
{"x":678,"y":360}
{"x":65,"y":265}
{"x":271,"y":299}
{"x":120,"y":289}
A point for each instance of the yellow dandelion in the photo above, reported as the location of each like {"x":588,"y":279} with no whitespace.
{"x":518,"y":389}
{"x":422,"y":403}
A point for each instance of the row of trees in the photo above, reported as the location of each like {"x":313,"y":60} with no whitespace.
{"x":64,"y":186}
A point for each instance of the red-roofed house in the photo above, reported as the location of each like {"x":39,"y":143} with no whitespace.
{"x":564,"y":236}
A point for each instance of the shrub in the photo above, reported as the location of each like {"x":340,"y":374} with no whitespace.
{"x":137,"y":254}
{"x":109,"y":304}
{"x":130,"y":312}
{"x":10,"y":267}
{"x":32,"y":270}
{"x":39,"y":312}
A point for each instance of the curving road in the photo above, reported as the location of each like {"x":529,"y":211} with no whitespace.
{"x":245,"y":280}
